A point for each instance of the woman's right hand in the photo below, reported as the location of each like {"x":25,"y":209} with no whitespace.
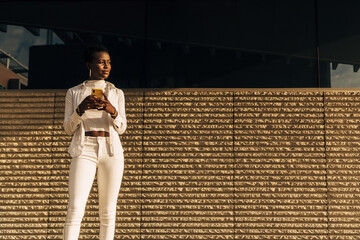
{"x":90,"y":102}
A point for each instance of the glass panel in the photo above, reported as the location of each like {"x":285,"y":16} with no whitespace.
{"x":231,"y":44}
{"x":68,"y":69}
{"x":344,"y":76}
{"x":339,"y":37}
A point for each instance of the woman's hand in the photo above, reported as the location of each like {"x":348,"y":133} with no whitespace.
{"x":107,"y":106}
{"x":90,"y":102}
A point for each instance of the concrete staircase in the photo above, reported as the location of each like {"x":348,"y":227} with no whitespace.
{"x":199,"y":164}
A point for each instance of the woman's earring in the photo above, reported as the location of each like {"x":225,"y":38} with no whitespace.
{"x":89,"y":73}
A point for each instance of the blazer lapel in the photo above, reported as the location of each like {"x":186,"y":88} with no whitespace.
{"x":84,"y":92}
{"x":110,"y":93}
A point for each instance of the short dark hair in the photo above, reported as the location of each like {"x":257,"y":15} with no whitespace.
{"x":90,"y":50}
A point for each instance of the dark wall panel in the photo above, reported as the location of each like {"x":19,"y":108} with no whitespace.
{"x":108,"y":17}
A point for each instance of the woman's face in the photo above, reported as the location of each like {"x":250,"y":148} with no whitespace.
{"x":100,"y":66}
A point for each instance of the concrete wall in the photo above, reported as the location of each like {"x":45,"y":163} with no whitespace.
{"x":199,"y":164}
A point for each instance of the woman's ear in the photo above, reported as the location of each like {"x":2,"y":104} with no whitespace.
{"x":88,"y":66}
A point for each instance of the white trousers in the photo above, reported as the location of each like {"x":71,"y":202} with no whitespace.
{"x":82,"y":172}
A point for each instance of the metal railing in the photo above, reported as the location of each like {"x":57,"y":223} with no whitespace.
{"x":15,"y":66}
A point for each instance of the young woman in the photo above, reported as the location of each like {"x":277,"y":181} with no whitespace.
{"x":95,"y":124}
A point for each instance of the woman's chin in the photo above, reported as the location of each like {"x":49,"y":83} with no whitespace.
{"x":105,"y":76}
{"x":100,"y":77}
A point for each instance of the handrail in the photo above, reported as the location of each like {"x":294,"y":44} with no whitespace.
{"x":8,"y":55}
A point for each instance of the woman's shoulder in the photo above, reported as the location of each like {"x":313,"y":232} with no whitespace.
{"x":113,"y":87}
{"x":75,"y":88}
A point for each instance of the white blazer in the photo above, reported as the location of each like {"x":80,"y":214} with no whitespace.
{"x":74,"y":124}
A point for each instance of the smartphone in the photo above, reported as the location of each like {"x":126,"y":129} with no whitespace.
{"x":98,"y":92}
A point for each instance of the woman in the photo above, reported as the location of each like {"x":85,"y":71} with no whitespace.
{"x":95,"y":124}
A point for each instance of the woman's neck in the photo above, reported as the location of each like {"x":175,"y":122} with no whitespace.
{"x":96,"y":80}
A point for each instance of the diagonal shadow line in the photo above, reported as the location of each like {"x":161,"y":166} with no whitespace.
{"x":233,"y":153}
{"x":326,"y":170}
{"x":142,"y":164}
{"x":51,"y":162}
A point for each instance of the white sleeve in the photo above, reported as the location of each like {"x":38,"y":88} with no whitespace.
{"x":120,"y":120}
{"x":71,"y":119}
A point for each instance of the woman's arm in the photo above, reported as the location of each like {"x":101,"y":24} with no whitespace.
{"x":120,"y":120}
{"x":71,"y":119}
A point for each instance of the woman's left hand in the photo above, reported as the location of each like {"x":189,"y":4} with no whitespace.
{"x":107,"y":106}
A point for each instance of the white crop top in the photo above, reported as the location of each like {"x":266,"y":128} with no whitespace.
{"x":95,"y":120}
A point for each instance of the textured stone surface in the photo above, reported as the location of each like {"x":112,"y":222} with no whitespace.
{"x":200,"y":164}
{"x":342,"y":154}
